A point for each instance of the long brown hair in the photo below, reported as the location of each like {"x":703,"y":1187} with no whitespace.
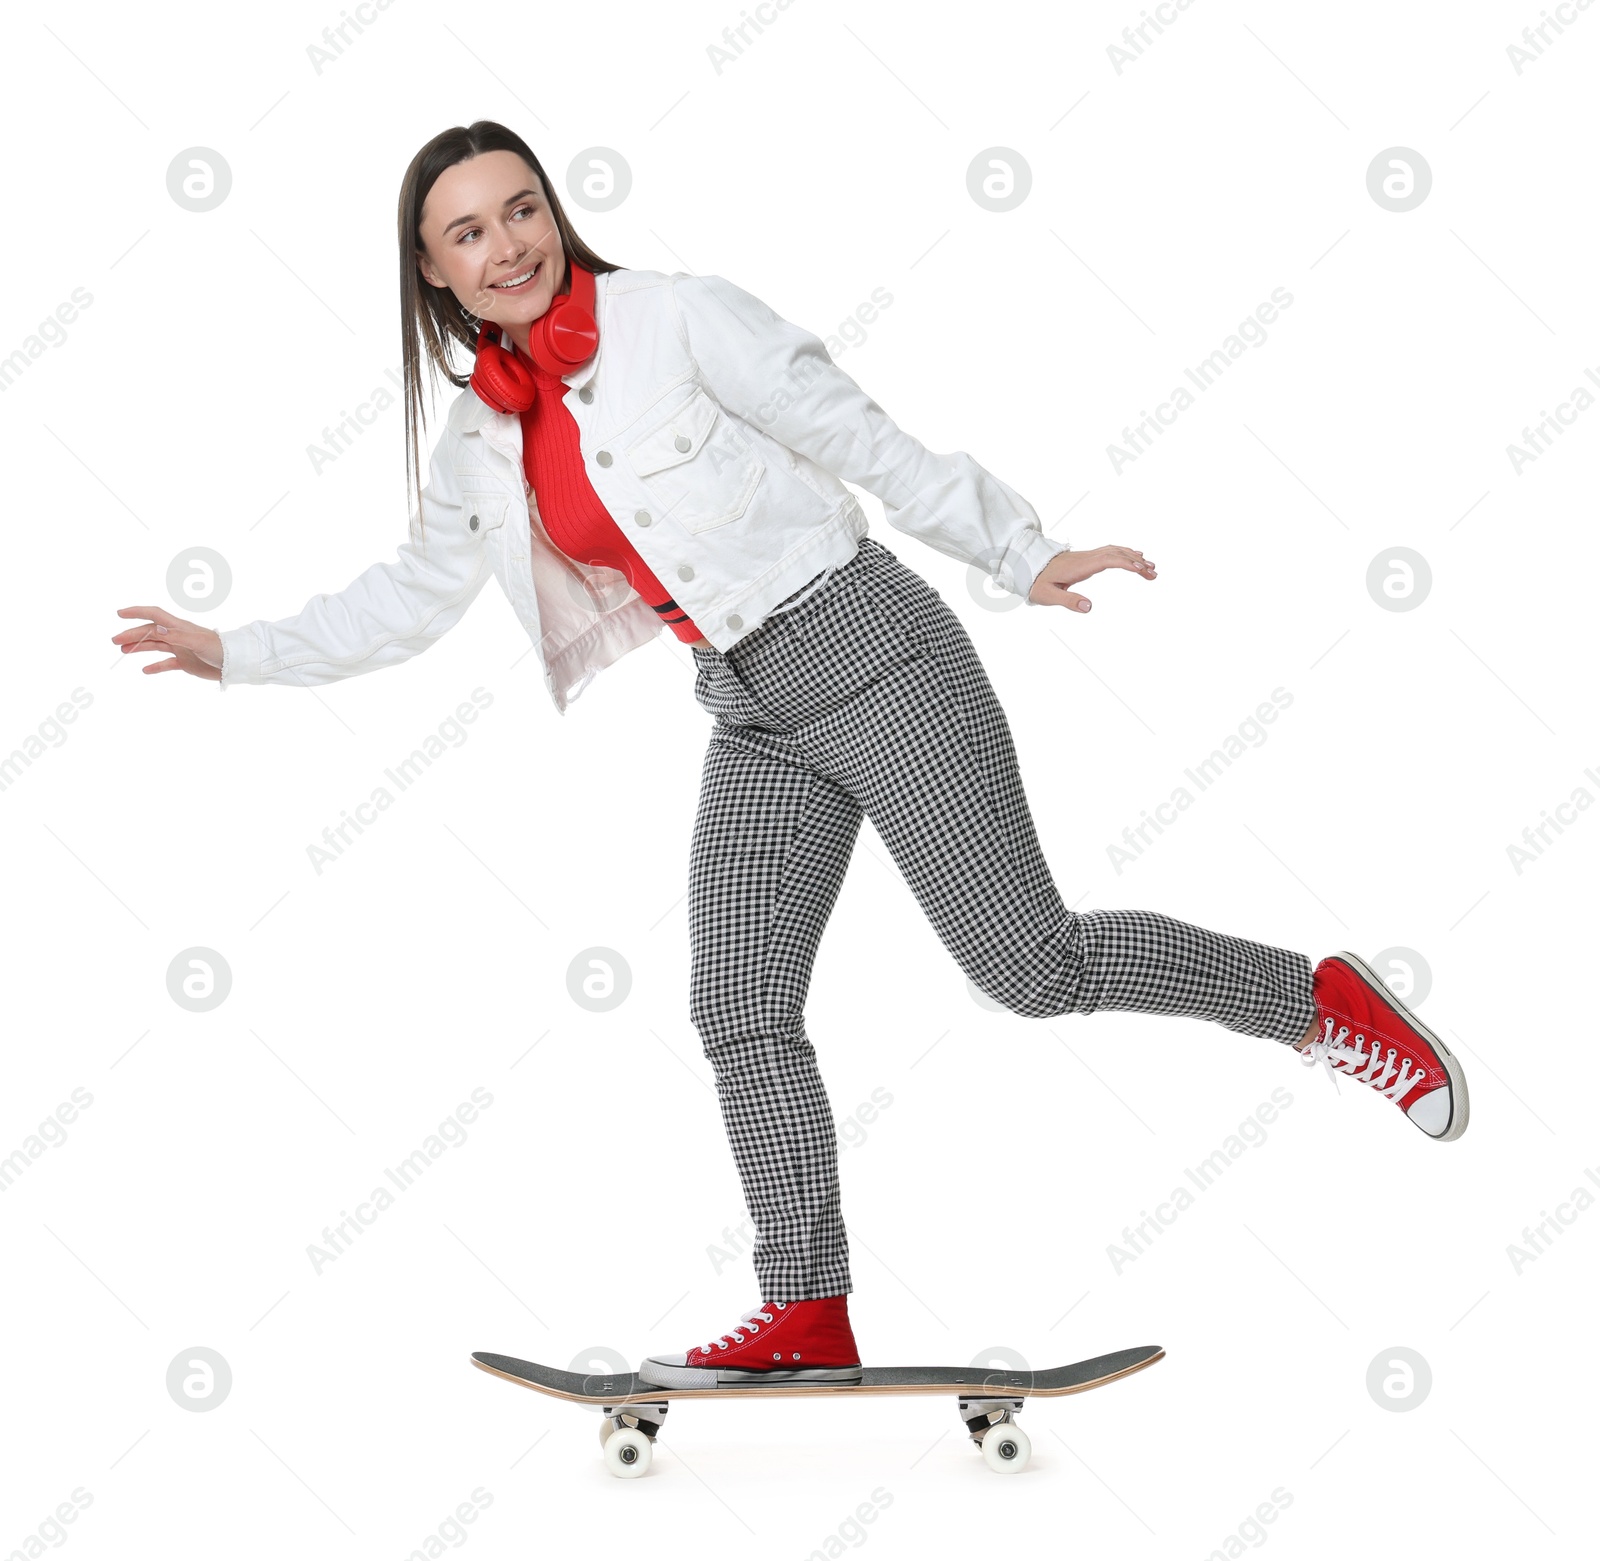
{"x":431,"y":317}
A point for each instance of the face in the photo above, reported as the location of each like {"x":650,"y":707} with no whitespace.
{"x":486,"y":221}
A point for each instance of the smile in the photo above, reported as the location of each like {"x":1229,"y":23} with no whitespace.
{"x":517,"y":283}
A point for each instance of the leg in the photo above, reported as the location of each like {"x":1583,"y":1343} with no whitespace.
{"x":929,"y":756}
{"x":772,"y":841}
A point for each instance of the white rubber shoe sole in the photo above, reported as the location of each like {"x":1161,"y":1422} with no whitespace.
{"x":670,"y":1371}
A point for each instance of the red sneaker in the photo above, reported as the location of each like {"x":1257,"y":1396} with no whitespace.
{"x":779,"y":1341}
{"x":1369,"y":1035}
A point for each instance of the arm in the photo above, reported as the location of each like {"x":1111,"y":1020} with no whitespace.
{"x":387,"y":614}
{"x":780,"y":378}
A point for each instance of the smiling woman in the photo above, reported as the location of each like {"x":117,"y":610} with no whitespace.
{"x":625,"y":427}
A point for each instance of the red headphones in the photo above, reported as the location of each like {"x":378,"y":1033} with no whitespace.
{"x":561,"y":339}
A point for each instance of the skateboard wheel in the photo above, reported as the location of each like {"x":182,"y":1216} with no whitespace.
{"x":1006,"y":1447}
{"x":627,"y":1453}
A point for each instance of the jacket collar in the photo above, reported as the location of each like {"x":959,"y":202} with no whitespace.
{"x":475,"y":412}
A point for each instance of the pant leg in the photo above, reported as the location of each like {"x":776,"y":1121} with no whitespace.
{"x":771,"y":844}
{"x":927,"y":753}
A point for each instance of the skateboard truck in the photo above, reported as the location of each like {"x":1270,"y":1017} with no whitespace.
{"x":640,"y":1420}
{"x":992,"y":1424}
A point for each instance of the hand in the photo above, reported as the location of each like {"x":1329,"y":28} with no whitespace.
{"x":1068,"y":568}
{"x":195,"y":649}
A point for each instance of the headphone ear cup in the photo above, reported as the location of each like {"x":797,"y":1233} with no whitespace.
{"x":500,"y":379}
{"x":566,"y":335}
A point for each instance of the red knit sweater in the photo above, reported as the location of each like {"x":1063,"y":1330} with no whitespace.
{"x":577,"y":522}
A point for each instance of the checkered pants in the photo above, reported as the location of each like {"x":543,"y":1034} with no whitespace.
{"x":866,"y":696}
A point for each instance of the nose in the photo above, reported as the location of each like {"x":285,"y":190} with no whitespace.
{"x":505,"y":247}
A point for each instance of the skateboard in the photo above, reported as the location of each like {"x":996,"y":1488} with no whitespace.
{"x":988,"y":1401}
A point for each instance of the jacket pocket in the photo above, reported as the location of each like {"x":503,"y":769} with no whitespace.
{"x":482,"y":513}
{"x":698,"y":466}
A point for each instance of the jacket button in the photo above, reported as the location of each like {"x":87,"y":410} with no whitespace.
{"x":586,"y":395}
{"x":641,"y":517}
{"x":603,"y":458}
{"x":735,"y":622}
{"x":473,"y":523}
{"x":685,"y":572}
{"x":681,"y":443}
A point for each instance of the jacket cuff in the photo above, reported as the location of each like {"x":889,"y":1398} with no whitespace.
{"x":242,"y":655}
{"x":1032,"y":555}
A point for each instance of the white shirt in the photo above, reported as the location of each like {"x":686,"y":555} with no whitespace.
{"x":718,"y":436}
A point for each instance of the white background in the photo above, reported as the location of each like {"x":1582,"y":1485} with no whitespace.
{"x":369,"y":1001}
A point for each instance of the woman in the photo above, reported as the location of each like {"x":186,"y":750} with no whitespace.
{"x":622,"y":429}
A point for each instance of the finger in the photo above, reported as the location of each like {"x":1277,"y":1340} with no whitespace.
{"x":163,"y":666}
{"x":1076,"y":603}
{"x":154,"y":637}
{"x":164,"y":640}
{"x":167,"y":625}
{"x":154,"y":614}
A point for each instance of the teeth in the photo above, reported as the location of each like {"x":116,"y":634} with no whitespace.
{"x":516,"y":281}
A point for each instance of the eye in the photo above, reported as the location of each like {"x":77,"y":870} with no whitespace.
{"x":526,"y":206}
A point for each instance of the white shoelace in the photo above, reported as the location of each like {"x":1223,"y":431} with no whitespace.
{"x":1365,"y":1067}
{"x":747,"y":1324}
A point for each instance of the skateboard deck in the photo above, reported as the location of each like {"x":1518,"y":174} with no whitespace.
{"x":988,"y":1400}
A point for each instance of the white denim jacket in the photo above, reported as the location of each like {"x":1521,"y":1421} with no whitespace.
{"x":716,"y":434}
